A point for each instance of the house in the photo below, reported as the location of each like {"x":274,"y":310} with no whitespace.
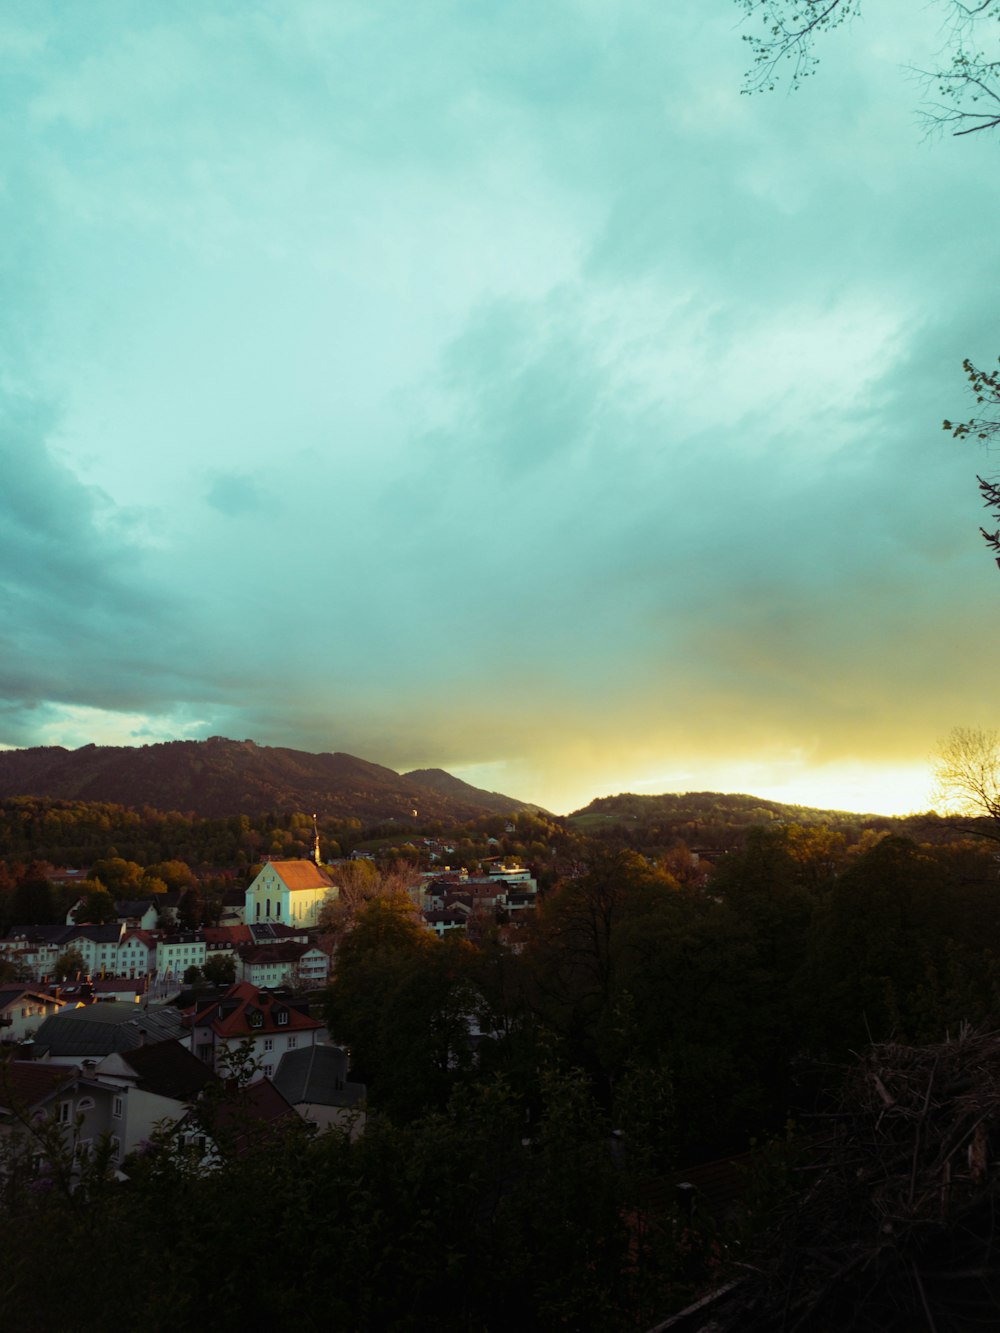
{"x":176,"y":953}
{"x":31,"y":1093}
{"x":223,"y":941}
{"x":98,"y":946}
{"x":124,"y":990}
{"x":33,"y":950}
{"x":443,"y":920}
{"x":141,"y":912}
{"x":121,"y":1099}
{"x":281,"y":964}
{"x":265,"y":1024}
{"x":252,"y":1116}
{"x":314,"y":1080}
{"x":135,"y":1091}
{"x":23,"y":1010}
{"x":289,"y":893}
{"x":91,"y":1032}
{"x":136,"y":953}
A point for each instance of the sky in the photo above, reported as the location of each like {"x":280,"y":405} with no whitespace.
{"x":495,"y":388}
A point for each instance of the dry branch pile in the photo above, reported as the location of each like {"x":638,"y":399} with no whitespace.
{"x":897,"y":1229}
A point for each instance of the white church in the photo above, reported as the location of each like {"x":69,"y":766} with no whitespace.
{"x":288,"y":893}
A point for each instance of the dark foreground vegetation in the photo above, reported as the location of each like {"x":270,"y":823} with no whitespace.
{"x":531,"y":1111}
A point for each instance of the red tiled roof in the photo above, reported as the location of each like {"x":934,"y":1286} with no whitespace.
{"x":227,"y":934}
{"x":258,"y":1115}
{"x":231,"y":1015}
{"x":301,"y":875}
{"x":133,"y":932}
{"x":27,"y":1083}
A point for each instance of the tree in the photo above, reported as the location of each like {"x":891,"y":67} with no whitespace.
{"x":220,"y":971}
{"x":967,"y":778}
{"x":120,"y":877}
{"x":985,"y":426}
{"x":191,"y":908}
{"x":98,"y":904}
{"x":33,"y":902}
{"x":968,"y":83}
{"x":69,"y":962}
{"x":174,"y":874}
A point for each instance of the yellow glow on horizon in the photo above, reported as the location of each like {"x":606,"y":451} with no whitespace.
{"x":857,"y":787}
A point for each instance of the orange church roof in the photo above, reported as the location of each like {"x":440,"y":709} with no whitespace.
{"x":301,"y":875}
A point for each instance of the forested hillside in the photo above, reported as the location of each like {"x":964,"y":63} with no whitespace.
{"x":219,"y":778}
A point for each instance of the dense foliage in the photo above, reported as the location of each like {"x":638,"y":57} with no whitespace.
{"x":528,"y":1109}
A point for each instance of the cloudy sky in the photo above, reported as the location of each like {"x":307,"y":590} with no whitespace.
{"x":492,"y":387}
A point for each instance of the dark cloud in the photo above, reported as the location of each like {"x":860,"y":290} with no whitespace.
{"x":234,"y":494}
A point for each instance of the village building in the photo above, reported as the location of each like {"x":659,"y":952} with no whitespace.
{"x":23,"y":1010}
{"x":269,"y":1023}
{"x":288,"y":893}
{"x":315,"y":1082}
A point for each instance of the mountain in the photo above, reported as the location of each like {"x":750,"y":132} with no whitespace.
{"x":220,"y":777}
{"x":720,"y":820}
{"x":448,"y":785}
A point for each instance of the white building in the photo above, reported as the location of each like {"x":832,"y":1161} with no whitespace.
{"x":271,"y":1023}
{"x":176,"y":953}
{"x":289,"y":893}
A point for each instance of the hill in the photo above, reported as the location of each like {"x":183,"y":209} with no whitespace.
{"x":220,"y":777}
{"x":448,"y":785}
{"x":719,"y":820}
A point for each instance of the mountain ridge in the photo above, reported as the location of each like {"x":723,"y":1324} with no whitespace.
{"x":220,"y":777}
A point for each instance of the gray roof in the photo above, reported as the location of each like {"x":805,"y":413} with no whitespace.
{"x":99,"y":1029}
{"x":134,"y":906}
{"x":317,"y":1074}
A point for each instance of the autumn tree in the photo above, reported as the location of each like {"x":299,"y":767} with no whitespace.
{"x":175,"y":875}
{"x":360,"y":882}
{"x":121,"y":878}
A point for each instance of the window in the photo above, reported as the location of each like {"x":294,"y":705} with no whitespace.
{"x":283,"y":1019}
{"x":116,"y":1147}
{"x":118,"y":1107}
{"x":268,"y":1043}
{"x":85,"y":1104}
{"x":291,"y":1043}
{"x":65,"y":1108}
{"x":268,"y":1070}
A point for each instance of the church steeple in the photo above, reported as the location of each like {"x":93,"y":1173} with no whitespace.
{"x":315,"y":841}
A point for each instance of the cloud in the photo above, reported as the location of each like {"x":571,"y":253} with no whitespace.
{"x":474,"y":389}
{"x":232,"y":494}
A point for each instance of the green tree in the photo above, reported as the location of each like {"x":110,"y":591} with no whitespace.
{"x":219,"y":970}
{"x":98,"y":905}
{"x":191,"y":908}
{"x":33,"y":901}
{"x":69,"y":964}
